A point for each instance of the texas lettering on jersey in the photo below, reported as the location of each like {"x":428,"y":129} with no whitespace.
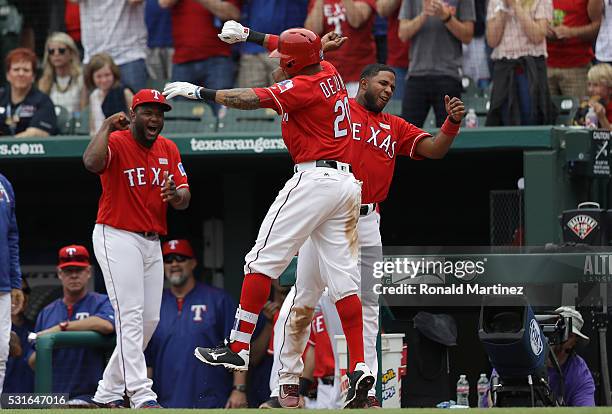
{"x":136,"y":176}
{"x":379,"y":136}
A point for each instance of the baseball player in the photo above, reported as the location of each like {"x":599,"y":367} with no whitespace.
{"x":76,"y":371}
{"x":19,"y":375}
{"x":377,"y":139}
{"x":320,"y":201}
{"x":11,"y":296}
{"x":141,"y":173}
{"x":191,"y":313}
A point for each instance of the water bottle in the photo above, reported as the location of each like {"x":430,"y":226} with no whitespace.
{"x":463,"y":391}
{"x":590,"y":119}
{"x":471,"y":120}
{"x":482,"y":387}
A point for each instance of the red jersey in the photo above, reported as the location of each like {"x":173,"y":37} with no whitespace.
{"x":573,"y":52}
{"x":324,"y":354}
{"x":194,"y":33}
{"x":72,"y":20}
{"x":361,"y":47}
{"x":377,"y":141}
{"x":315,"y":114}
{"x":132,"y":180}
{"x":398,"y":52}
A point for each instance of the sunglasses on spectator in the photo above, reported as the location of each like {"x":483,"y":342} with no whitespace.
{"x":175,"y":257}
{"x":59,"y":50}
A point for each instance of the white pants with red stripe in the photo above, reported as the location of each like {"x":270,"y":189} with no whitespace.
{"x":319,"y":204}
{"x":133,"y":271}
{"x":298,"y":308}
{"x":5,"y":333}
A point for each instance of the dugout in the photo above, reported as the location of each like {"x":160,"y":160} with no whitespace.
{"x":235,"y":177}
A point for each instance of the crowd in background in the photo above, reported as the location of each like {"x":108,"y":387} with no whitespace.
{"x":93,"y":55}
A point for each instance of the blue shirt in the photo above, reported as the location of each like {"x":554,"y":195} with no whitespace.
{"x":19,"y":376}
{"x":76,"y":371}
{"x":159,"y":25}
{"x":272,"y":17}
{"x":10,"y":271}
{"x":205,"y":318}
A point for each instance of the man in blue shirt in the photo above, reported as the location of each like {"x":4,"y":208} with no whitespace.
{"x":266,"y":16}
{"x":11,"y":297}
{"x":76,"y":371}
{"x":192,"y":314}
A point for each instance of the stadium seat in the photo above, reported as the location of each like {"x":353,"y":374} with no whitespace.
{"x":64,"y":120}
{"x":81,"y":124}
{"x":567,"y":106}
{"x":189,"y":116}
{"x":470,"y":88}
{"x":480,"y":104}
{"x":157,"y":84}
{"x":260,"y":120}
{"x":430,"y":120}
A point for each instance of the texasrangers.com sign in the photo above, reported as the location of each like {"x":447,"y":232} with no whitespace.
{"x":249,"y":145}
{"x":22,"y":149}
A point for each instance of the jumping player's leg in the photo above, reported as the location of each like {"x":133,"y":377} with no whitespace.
{"x":119,"y":254}
{"x":153,"y":288}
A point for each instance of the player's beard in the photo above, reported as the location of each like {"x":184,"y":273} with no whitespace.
{"x":370,"y":102}
{"x":178,"y":280}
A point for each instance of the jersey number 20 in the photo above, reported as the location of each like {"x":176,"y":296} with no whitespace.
{"x":344,"y":114}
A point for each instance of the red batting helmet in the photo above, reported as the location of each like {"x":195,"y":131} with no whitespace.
{"x":298,"y":48}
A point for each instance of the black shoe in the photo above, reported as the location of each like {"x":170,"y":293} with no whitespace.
{"x":360,"y":382}
{"x":112,"y":404}
{"x":224,"y":356}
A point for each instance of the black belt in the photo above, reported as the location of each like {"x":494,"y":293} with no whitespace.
{"x":367,"y":209}
{"x":328,"y":380}
{"x":330,"y":164}
{"x":147,"y":234}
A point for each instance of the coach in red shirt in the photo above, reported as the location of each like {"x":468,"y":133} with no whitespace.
{"x":199,"y":56}
{"x":350,"y":18}
{"x":570,"y":38}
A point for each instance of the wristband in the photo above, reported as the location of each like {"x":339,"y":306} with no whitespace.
{"x":450,"y":16}
{"x":63,"y":326}
{"x":206,"y":94}
{"x":240,"y":388}
{"x":450,"y":127}
{"x":256,"y":37}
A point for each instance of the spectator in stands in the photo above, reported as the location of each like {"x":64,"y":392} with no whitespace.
{"x":192,"y":313}
{"x":600,"y":92}
{"x":475,"y":59}
{"x":76,"y":371}
{"x":72,"y":22}
{"x":397,"y":50}
{"x":570,"y":37}
{"x":516,"y":30}
{"x":62,"y":77}
{"x":200,"y":57}
{"x":24,"y":110}
{"x":436,"y":30}
{"x":159,"y":41}
{"x":348,"y":18}
{"x":11,"y":296}
{"x":19,"y":375}
{"x":603,"y":46}
{"x":116,"y":27}
{"x":108,"y":95}
{"x":266,"y":16}
{"x":10,"y":26}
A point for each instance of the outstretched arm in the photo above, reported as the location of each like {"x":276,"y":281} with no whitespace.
{"x":437,"y":147}
{"x":240,"y":98}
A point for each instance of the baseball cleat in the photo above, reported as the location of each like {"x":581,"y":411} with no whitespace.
{"x":112,"y":404}
{"x":150,"y":404}
{"x":288,"y":395}
{"x":372,"y":402}
{"x":271,"y":403}
{"x":224,"y":356}
{"x":360,"y":382}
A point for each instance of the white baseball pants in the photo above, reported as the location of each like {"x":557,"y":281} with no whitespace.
{"x":306,"y":293}
{"x":133,"y":271}
{"x":320,"y":204}
{"x":5,"y":333}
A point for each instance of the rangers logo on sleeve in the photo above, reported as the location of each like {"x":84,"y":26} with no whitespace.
{"x":182,"y":169}
{"x":285,"y":85}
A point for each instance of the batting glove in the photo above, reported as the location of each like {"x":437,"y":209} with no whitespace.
{"x":233,"y":32}
{"x":186,"y":89}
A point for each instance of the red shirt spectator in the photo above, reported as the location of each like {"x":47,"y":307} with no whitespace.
{"x":347,"y":18}
{"x":397,"y":51}
{"x":194,"y":32}
{"x":569,"y":52}
{"x":72,"y":20}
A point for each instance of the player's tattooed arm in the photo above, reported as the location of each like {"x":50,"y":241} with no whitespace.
{"x":95,"y":154}
{"x":241,"y":98}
